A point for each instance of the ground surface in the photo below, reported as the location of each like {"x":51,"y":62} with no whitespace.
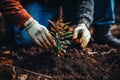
{"x":96,"y":62}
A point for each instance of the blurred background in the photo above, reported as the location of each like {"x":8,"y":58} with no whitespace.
{"x":115,"y":29}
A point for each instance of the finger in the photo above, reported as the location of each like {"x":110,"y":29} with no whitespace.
{"x":36,"y":40}
{"x":51,"y":40}
{"x":84,"y":41}
{"x":40,"y":39}
{"x":75,"y":34}
{"x":46,"y":40}
{"x":78,"y":34}
{"x":38,"y":43}
{"x":77,"y":41}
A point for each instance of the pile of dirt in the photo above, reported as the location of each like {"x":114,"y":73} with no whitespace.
{"x":96,"y":62}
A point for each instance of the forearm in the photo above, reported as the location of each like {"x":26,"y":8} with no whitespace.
{"x":14,"y":12}
{"x":85,"y":11}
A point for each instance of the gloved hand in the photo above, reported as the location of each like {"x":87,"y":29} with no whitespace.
{"x":40,"y":34}
{"x":81,"y":35}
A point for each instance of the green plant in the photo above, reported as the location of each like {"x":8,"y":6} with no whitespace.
{"x":61,"y":34}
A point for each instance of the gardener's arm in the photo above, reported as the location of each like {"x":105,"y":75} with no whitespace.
{"x":17,"y":15}
{"x":85,"y":18}
{"x":14,"y":12}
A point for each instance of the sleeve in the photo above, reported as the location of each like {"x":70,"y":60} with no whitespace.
{"x":14,"y":12}
{"x":85,"y":12}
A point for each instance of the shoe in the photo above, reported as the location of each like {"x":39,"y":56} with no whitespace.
{"x":104,"y":36}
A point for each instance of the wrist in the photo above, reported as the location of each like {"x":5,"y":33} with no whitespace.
{"x":81,"y":24}
{"x":26,"y":23}
{"x":29,"y":23}
{"x":86,"y":21}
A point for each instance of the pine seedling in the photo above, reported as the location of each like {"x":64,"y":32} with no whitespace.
{"x":61,"y":34}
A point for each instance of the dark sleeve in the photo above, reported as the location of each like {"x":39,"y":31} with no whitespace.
{"x":14,"y":12}
{"x":85,"y":11}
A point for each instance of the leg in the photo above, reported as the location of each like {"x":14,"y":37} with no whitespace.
{"x":104,"y":13}
{"x":41,"y":13}
{"x":103,"y":20}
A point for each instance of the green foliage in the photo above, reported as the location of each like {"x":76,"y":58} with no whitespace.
{"x":61,"y":34}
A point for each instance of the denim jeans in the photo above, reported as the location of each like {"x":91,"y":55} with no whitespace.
{"x":103,"y":15}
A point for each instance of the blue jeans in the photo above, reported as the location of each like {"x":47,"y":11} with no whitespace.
{"x":103,"y":15}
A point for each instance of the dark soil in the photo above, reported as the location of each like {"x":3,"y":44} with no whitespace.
{"x":96,"y":62}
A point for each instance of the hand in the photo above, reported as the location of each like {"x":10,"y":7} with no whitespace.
{"x":40,"y":35}
{"x":81,"y":35}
